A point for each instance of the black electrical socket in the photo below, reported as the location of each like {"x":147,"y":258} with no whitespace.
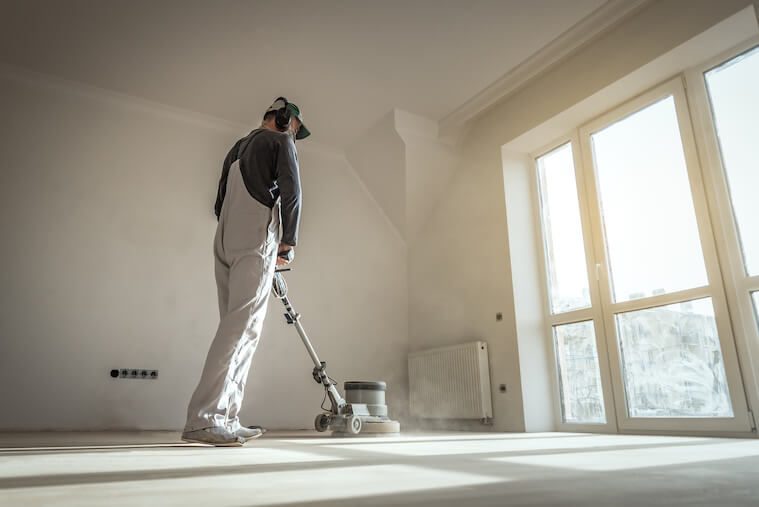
{"x":129,"y":373}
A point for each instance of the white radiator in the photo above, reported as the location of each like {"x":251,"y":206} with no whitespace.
{"x":450,"y":382}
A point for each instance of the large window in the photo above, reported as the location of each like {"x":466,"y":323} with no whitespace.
{"x":647,"y":210}
{"x":579,"y":378}
{"x":672,"y":361}
{"x":729,"y":91}
{"x":577,"y":361}
{"x":734,"y":94}
{"x":650,"y":324}
{"x":560,"y":211}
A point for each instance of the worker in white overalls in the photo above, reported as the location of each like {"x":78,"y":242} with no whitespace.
{"x":259,"y":184}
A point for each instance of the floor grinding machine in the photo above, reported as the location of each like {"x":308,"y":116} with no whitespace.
{"x":363,"y":410}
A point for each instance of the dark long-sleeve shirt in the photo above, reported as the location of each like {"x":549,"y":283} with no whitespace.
{"x":269,"y":166}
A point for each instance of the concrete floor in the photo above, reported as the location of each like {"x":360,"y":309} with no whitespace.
{"x":439,"y":469}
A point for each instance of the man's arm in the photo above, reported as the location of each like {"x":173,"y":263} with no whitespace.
{"x":288,"y":181}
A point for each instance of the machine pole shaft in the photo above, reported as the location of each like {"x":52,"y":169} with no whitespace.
{"x":301,"y":332}
{"x":337,"y":401}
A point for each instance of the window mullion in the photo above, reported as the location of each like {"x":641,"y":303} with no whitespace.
{"x":571,"y":317}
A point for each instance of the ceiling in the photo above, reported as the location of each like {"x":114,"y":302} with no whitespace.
{"x":346,"y":63}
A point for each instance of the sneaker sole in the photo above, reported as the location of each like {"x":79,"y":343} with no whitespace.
{"x":254,"y":437}
{"x":215,"y":444}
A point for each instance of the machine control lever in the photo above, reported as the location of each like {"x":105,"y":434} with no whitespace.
{"x":320,"y":372}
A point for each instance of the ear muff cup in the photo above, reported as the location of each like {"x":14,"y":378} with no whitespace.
{"x":284,"y":117}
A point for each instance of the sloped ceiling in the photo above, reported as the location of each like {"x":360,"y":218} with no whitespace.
{"x":347,"y":63}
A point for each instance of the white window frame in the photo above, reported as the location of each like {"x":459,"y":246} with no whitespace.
{"x":740,"y":422}
{"x":721,"y":289}
{"x":738,"y":285}
{"x":592,"y":313}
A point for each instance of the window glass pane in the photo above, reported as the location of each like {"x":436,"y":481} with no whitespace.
{"x":649,"y":220}
{"x":734,"y":94}
{"x":562,"y":231}
{"x":672,"y":362}
{"x":755,"y":296}
{"x":579,"y":376}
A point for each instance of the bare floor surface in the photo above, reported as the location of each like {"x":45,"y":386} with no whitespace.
{"x":431,"y":469}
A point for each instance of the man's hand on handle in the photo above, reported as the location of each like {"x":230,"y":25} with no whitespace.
{"x":285,"y":254}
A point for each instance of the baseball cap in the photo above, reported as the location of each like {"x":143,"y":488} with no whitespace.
{"x":278,"y":104}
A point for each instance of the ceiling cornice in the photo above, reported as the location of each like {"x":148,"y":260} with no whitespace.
{"x":599,"y":21}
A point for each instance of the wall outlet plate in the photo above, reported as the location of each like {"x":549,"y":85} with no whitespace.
{"x":133,"y":373}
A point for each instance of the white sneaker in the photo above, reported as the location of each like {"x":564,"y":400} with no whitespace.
{"x":219,"y":437}
{"x":249,"y":433}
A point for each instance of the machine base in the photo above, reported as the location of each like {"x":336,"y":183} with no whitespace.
{"x":362,"y":413}
{"x":370,"y":426}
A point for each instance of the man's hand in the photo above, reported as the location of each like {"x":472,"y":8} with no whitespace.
{"x":285,"y":248}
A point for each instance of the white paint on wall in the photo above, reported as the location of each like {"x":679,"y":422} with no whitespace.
{"x":460,"y":277}
{"x":525,"y":253}
{"x":107,"y":225}
{"x":405,"y":167}
{"x":430,"y":163}
{"x":380,"y":160}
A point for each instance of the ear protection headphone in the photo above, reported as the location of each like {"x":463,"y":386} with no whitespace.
{"x":284,"y":117}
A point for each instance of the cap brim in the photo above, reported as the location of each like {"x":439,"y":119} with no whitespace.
{"x":303,"y":132}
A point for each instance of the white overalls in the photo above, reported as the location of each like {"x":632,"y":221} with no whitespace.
{"x":245,"y":252}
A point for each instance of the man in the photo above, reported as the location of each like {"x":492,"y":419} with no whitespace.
{"x":259,"y":184}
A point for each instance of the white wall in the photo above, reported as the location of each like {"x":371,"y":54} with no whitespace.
{"x":380,"y":160}
{"x":460,"y":277}
{"x":430,"y":163}
{"x":526,"y":255}
{"x":107,"y":227}
{"x":405,"y":167}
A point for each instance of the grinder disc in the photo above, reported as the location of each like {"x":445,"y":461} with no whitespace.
{"x":381,"y":427}
{"x":372,"y":429}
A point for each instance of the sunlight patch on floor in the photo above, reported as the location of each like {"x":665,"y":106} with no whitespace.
{"x":630,"y":459}
{"x":423,"y":437}
{"x":508,"y":445}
